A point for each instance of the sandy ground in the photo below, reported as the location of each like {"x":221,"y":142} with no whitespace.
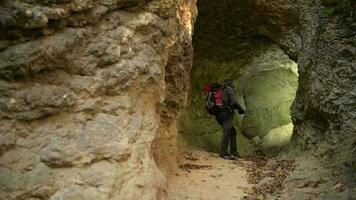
{"x":204,"y":176}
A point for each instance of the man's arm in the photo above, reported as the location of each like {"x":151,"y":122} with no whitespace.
{"x":233,"y":102}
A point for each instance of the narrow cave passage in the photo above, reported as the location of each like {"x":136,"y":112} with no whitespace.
{"x":229,"y":44}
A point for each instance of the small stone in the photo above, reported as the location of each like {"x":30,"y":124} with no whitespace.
{"x":12,"y":101}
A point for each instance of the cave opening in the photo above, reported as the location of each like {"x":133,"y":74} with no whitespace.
{"x":229,"y":43}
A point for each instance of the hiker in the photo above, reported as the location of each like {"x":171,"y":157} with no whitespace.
{"x":223,"y":109}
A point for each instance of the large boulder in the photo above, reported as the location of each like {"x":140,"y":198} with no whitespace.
{"x":268,"y":97}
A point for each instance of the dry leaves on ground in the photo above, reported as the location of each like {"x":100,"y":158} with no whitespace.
{"x":188,"y":167}
{"x":312,"y":184}
{"x":190,"y":156}
{"x":259,"y":168}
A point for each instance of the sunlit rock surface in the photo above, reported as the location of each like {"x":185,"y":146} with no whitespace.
{"x":268,"y":95}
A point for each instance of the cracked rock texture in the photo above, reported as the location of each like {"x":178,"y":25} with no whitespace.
{"x":321,"y":39}
{"x":87,"y":90}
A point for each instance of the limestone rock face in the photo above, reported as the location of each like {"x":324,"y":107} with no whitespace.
{"x":320,"y":36}
{"x":325,"y":102}
{"x":279,"y":21}
{"x":85,"y":88}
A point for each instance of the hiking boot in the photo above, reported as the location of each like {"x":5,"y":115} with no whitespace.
{"x":226,"y":157}
{"x":235,"y":156}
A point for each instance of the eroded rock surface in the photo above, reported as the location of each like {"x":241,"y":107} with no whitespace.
{"x":321,"y":38}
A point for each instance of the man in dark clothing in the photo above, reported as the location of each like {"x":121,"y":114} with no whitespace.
{"x":224,"y":118}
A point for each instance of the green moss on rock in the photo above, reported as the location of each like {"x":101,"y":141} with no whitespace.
{"x":268,"y":96}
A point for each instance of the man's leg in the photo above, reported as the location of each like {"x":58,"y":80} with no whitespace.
{"x":233,"y":146}
{"x":219,"y":119}
{"x":226,"y":125}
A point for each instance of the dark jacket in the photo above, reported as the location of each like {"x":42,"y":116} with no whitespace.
{"x":230,"y":101}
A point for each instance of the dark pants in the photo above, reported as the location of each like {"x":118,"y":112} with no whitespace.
{"x":224,"y":118}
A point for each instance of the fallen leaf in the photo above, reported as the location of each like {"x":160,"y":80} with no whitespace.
{"x":337,"y":186}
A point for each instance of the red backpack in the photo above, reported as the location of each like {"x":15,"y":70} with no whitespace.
{"x":213,"y":98}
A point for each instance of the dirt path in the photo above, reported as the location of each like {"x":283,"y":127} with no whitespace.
{"x":203,"y":176}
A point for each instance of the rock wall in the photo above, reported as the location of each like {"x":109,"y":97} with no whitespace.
{"x":321,"y":39}
{"x":326,"y":98}
{"x":86,"y":91}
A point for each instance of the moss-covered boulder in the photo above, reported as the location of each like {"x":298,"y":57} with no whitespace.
{"x":268,"y":96}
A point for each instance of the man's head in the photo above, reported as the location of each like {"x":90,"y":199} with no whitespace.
{"x":228,"y":82}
